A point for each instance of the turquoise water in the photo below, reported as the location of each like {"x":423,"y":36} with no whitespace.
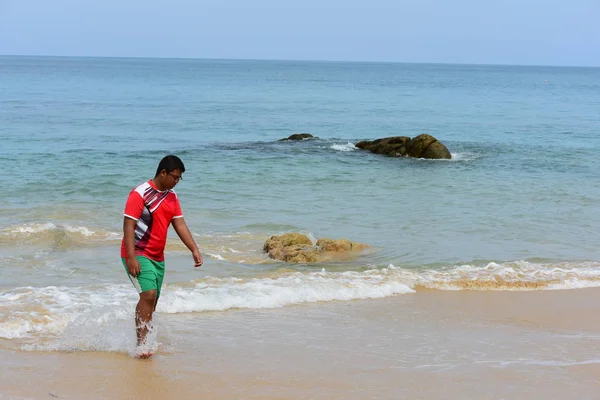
{"x":520,"y":198}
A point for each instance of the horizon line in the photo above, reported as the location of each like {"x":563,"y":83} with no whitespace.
{"x":300,"y":60}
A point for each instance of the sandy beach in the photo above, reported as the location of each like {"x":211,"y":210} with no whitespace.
{"x":430,"y":345}
{"x":480,"y":279}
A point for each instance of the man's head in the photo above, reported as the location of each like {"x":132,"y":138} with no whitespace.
{"x":169,"y":172}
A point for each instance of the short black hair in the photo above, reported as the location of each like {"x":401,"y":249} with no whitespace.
{"x":170,"y":163}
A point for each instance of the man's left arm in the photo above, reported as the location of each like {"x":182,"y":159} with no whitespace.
{"x":186,"y":237}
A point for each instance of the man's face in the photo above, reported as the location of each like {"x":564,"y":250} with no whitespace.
{"x":172,"y":178}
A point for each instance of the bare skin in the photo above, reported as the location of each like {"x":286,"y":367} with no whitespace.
{"x":148,"y":299}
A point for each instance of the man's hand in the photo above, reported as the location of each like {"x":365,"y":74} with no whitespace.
{"x":186,"y":237}
{"x":133,"y":266}
{"x":197,"y":258}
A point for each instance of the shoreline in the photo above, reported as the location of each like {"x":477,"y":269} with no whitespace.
{"x":431,"y":344}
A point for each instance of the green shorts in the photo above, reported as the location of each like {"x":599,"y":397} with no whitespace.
{"x":151,"y":277}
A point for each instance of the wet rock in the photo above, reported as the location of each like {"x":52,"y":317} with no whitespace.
{"x":422,"y":146}
{"x":299,"y":136}
{"x":298,"y":248}
{"x":339,"y":245}
{"x":391,"y":146}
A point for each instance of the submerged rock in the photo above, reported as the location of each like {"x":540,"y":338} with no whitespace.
{"x":299,"y":136}
{"x":298,"y":248}
{"x":422,"y":146}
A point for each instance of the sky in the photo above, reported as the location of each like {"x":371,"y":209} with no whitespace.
{"x":517,"y":32}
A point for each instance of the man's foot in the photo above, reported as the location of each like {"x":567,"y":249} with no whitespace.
{"x":144,"y":355}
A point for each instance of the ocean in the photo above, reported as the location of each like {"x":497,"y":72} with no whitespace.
{"x":513,"y":218}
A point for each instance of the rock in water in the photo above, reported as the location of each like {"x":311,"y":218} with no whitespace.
{"x":299,"y":136}
{"x":298,"y":248}
{"x":422,"y":146}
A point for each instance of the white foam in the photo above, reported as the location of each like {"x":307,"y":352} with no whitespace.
{"x":344,"y":147}
{"x":49,"y":311}
{"x":109,"y":329}
{"x":516,"y":275}
{"x":312,"y":238}
{"x":548,"y":363}
{"x":215,"y":256}
{"x":82,"y":230}
{"x":464,"y":156}
{"x":31,"y":229}
{"x":293,"y":288}
{"x":49,"y":227}
{"x":92,"y":317}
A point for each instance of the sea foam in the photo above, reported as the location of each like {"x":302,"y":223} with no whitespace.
{"x":53,"y":312}
{"x":344,"y":147}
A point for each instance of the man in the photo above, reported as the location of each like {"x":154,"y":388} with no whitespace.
{"x":150,"y":209}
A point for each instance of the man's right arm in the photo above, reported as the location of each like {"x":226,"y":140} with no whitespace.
{"x":133,"y":265}
{"x":133,"y":211}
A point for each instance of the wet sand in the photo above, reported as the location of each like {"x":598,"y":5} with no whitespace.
{"x":430,"y":345}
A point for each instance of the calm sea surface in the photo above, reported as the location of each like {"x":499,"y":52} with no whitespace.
{"x":517,"y":206}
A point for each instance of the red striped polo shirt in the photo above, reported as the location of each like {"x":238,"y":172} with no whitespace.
{"x":153,"y":210}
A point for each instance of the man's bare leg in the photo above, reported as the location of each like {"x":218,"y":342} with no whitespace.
{"x":143,"y":317}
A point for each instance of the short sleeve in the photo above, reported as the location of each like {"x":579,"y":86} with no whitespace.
{"x":177,"y":213}
{"x":134,"y":206}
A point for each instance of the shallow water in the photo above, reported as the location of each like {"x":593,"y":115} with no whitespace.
{"x":516,"y":208}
